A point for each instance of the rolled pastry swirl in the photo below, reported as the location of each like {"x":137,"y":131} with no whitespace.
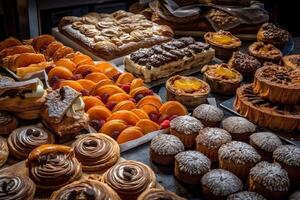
{"x":157,"y":194}
{"x":3,"y":151}
{"x":24,"y":139}
{"x":52,"y":166}
{"x":96,"y":151}
{"x":130,"y":178}
{"x":16,"y":187}
{"x":85,"y":189}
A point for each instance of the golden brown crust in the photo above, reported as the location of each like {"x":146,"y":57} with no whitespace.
{"x":265,"y":52}
{"x":155,"y":193}
{"x":16,"y":50}
{"x":270,"y":33}
{"x":8,"y":123}
{"x":9,"y":42}
{"x":291,"y":60}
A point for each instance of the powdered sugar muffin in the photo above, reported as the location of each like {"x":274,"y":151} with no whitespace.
{"x":164,"y":147}
{"x":246,"y":195}
{"x":4,"y":151}
{"x":217,"y":184}
{"x":238,"y":157}
{"x":295,"y":196}
{"x":288,"y":156}
{"x":270,"y":180}
{"x":239,"y":128}
{"x":209,"y":141}
{"x":186,"y":128}
{"x":265,"y":143}
{"x":209,"y":115}
{"x":190,"y":166}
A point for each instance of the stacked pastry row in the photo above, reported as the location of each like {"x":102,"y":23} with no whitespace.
{"x":223,"y":159}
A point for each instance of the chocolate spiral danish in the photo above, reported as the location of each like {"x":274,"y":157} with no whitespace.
{"x":3,"y":151}
{"x":7,"y":123}
{"x":157,"y":194}
{"x":96,"y":151}
{"x":52,"y":166}
{"x":85,"y":189}
{"x":16,"y":187}
{"x":24,"y":139}
{"x":130,"y":178}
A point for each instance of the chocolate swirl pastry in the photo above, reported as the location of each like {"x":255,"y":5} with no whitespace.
{"x":159,"y":194}
{"x":130,"y":178}
{"x":4,"y":151}
{"x":96,"y":151}
{"x":16,"y":187}
{"x":7,"y":123}
{"x":52,"y":166}
{"x":24,"y":139}
{"x":85,"y":189}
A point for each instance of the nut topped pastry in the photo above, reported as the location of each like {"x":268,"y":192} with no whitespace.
{"x":8,"y":123}
{"x":155,"y":194}
{"x":209,"y":115}
{"x":246,"y":195}
{"x":244,"y":63}
{"x":96,"y":151}
{"x":24,"y":139}
{"x":265,"y":52}
{"x":291,"y":60}
{"x":53,"y":166}
{"x":269,"y":33}
{"x":188,"y":90}
{"x":4,"y":151}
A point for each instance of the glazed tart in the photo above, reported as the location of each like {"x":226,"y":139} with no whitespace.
{"x":169,"y":58}
{"x":265,"y":52}
{"x":278,"y":84}
{"x":291,"y":60}
{"x":223,"y":42}
{"x":269,"y":33}
{"x":188,"y":90}
{"x":265,"y":113}
{"x":221,"y":79}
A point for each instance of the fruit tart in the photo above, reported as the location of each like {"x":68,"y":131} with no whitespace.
{"x":278,"y":84}
{"x":291,"y":61}
{"x":265,"y":52}
{"x":188,"y":90}
{"x":223,"y":42}
{"x":221,"y":79}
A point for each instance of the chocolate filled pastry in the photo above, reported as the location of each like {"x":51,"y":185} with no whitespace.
{"x":96,"y":151}
{"x":64,"y":112}
{"x":4,"y":151}
{"x":156,"y":194}
{"x":16,"y":187}
{"x":24,"y":139}
{"x":130,"y":178}
{"x":24,"y":98}
{"x":52,"y":166}
{"x":8,"y":123}
{"x":85,"y":189}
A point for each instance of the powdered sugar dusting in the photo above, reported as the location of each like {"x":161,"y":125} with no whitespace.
{"x":193,"y":162}
{"x":246,"y":195}
{"x":271,"y":175}
{"x":238,"y":125}
{"x":208,"y":113}
{"x":167,"y":145}
{"x":288,"y":154}
{"x":266,"y":141}
{"x":186,"y":124}
{"x":295,"y":196}
{"x":213,"y":138}
{"x":238,"y":153}
{"x":221,"y":182}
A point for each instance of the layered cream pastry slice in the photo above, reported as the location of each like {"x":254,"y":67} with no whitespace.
{"x":169,"y":58}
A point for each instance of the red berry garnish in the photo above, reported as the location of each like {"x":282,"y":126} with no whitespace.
{"x":54,"y":80}
{"x":165,"y":124}
{"x":149,"y":92}
{"x":76,"y":77}
{"x":132,"y":99}
{"x":111,"y":105}
{"x":116,"y":76}
{"x":154,"y":116}
{"x":84,"y":93}
{"x":115,"y":134}
{"x":126,"y":87}
{"x":97,"y":124}
{"x":173,"y":117}
{"x":55,"y":85}
{"x":85,"y":73}
{"x":48,"y":69}
{"x":138,"y":97}
{"x":104,"y":97}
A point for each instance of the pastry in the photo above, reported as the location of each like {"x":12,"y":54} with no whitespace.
{"x":246,"y":195}
{"x":265,"y":52}
{"x":291,"y":60}
{"x":217,"y":184}
{"x":186,"y":128}
{"x":155,"y":194}
{"x":41,"y":42}
{"x":96,"y":151}
{"x":188,"y":90}
{"x":210,"y":140}
{"x":288,"y":156}
{"x":295,"y":196}
{"x":85,"y":189}
{"x":14,"y":187}
{"x":169,"y":58}
{"x":8,"y":123}
{"x":209,"y":115}
{"x":190,"y":166}
{"x":164,"y":147}
{"x":239,"y":128}
{"x":52,"y":166}
{"x":114,"y":35}
{"x":24,"y":139}
{"x":64,"y":112}
{"x":130,"y":178}
{"x":269,"y":33}
{"x":19,"y":49}
{"x":265,"y":113}
{"x":24,"y":98}
{"x":31,"y":69}
{"x":244,"y":63}
{"x":269,"y":180}
{"x":9,"y":42}
{"x":278,"y":84}
{"x":265,"y":143}
{"x":223,"y":42}
{"x":238,"y":157}
{"x":221,"y":79}
{"x":4,"y":151}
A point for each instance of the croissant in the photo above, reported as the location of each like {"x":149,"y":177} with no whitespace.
{"x":51,"y":48}
{"x":23,"y":71}
{"x":9,"y":42}
{"x":41,"y":42}
{"x":16,"y":50}
{"x":61,"y":53}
